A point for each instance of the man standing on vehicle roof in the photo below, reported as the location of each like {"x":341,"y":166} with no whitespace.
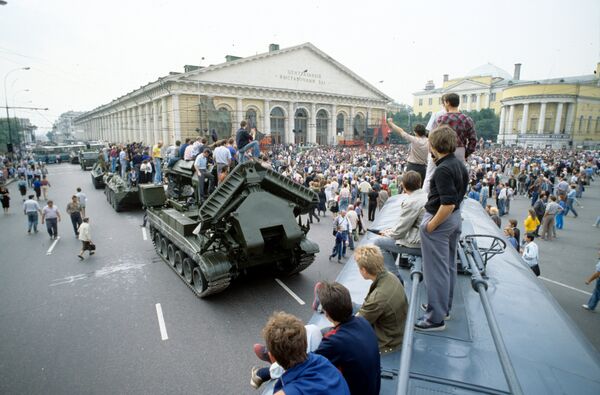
{"x":157,"y":156}
{"x":441,"y":228}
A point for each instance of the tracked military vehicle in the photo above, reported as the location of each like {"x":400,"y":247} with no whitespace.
{"x":120,"y":195}
{"x":87,"y":159}
{"x":97,"y":174}
{"x":251,"y":219}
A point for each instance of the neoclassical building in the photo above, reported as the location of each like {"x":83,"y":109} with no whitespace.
{"x":295,"y":95}
{"x":552,"y":113}
{"x":481,"y":88}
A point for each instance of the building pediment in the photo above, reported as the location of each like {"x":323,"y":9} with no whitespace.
{"x":303,"y":68}
{"x":466,"y":85}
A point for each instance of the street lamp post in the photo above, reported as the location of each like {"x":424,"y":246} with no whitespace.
{"x":9,"y":145}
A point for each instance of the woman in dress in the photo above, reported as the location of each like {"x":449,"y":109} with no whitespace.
{"x":5,"y":197}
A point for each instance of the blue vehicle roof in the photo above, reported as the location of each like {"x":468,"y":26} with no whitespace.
{"x":549,"y":353}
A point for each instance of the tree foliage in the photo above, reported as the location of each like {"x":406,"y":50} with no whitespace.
{"x":487,"y":123}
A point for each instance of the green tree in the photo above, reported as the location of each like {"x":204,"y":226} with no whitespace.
{"x":487,"y":123}
{"x":16,"y":132}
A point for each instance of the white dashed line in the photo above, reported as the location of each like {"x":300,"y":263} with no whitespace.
{"x":565,"y":285}
{"x":49,"y":252}
{"x":300,"y":301}
{"x":161,"y":322}
{"x":144,"y":234}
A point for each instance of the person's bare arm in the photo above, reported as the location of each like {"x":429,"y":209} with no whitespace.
{"x":593,"y":277}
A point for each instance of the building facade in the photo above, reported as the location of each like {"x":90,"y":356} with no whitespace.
{"x":64,"y":128}
{"x":481,"y":88}
{"x":553,"y":113}
{"x":294,"y":95}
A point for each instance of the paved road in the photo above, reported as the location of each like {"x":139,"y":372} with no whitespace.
{"x":92,"y":326}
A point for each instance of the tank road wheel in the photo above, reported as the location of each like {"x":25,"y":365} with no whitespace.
{"x":157,"y":242}
{"x":188,"y":269}
{"x":179,"y":257}
{"x":179,"y":264}
{"x":164,"y":243}
{"x":171,"y":253}
{"x":200,"y":283}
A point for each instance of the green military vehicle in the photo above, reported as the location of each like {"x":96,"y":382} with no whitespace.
{"x":252,"y":219}
{"x":120,"y":195}
{"x":87,"y":159}
{"x":97,"y":174}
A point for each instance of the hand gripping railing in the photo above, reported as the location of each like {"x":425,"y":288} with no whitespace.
{"x":470,"y":254}
{"x":416,"y":276}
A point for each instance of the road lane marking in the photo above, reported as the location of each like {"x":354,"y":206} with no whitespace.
{"x":161,"y":323}
{"x":49,"y":252}
{"x":566,"y":286}
{"x":300,"y":301}
{"x":144,"y":235}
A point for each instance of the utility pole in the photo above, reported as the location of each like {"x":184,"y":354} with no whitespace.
{"x":9,"y":145}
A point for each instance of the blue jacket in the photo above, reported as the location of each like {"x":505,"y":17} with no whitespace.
{"x":315,"y":376}
{"x":352,"y":348}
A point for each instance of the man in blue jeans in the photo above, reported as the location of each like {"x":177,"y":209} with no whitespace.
{"x":31,"y":208}
{"x":593,"y":302}
{"x":245,"y":141}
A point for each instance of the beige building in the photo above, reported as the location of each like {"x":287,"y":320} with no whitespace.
{"x":557,"y":113}
{"x":481,"y":88}
{"x":295,"y":95}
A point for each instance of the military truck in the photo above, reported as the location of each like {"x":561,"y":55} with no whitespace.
{"x":97,"y":174}
{"x":87,"y":159}
{"x":252,"y":219}
{"x":120,"y":195}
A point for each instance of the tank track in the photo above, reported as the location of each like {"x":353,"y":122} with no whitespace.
{"x":304,"y":261}
{"x":214,"y":287}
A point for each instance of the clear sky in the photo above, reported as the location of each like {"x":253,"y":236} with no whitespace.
{"x":85,"y":53}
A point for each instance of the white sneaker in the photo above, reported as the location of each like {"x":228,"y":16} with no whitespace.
{"x":585,"y":306}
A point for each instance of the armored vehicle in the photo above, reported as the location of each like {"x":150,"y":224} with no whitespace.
{"x":87,"y":159}
{"x":252,"y":219}
{"x":74,"y":157}
{"x":97,"y":174}
{"x":120,"y":195}
{"x":506,"y":334}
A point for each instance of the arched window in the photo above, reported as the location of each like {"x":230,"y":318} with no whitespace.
{"x":339,"y":124}
{"x":251,"y":119}
{"x":300,"y":126}
{"x":360,"y":128}
{"x":221,"y":123}
{"x":277,"y":125}
{"x":322,"y":126}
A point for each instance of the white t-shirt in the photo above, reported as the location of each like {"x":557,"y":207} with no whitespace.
{"x":222,"y":155}
{"x":82,"y":198}
{"x":50,"y":212}
{"x":31,"y":206}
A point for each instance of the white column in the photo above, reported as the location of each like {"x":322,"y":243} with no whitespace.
{"x":141,"y":130}
{"x":542,"y":119}
{"x":501,"y":131}
{"x":129,"y":119}
{"x":164,"y":125}
{"x":570,"y":127}
{"x":267,"y":118}
{"x":331,"y":137}
{"x":557,"y":121}
{"x":155,"y":127}
{"x":478,"y":102}
{"x":176,"y":118}
{"x":511,"y":119}
{"x":312,"y":127}
{"x":487,"y":100}
{"x":349,"y":134}
{"x":525,"y":118}
{"x":289,"y":136}
{"x":239,"y":111}
{"x":468,"y":103}
{"x":148,"y":129}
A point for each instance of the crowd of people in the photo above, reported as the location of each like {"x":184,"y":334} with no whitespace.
{"x":443,"y":164}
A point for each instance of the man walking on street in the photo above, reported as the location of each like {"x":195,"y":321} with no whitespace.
{"x":51,"y":216}
{"x":82,"y":201}
{"x":85,"y":237}
{"x":441,"y":228}
{"x":74,"y":211}
{"x":31,"y":209}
